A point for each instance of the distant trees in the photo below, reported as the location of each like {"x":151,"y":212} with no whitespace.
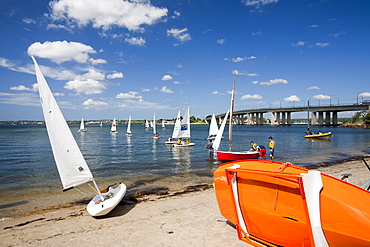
{"x":361,"y":116}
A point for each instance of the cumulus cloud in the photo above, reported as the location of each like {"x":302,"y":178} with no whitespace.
{"x":299,"y":43}
{"x":106,"y":14}
{"x":271,"y":82}
{"x":135,"y":41}
{"x":322,"y":44}
{"x":181,"y":35}
{"x":239,"y":59}
{"x":97,"y":61}
{"x":6,"y":63}
{"x":249,"y":96}
{"x":313,"y":88}
{"x":292,"y":98}
{"x":129,"y":95}
{"x":61,"y":51}
{"x":166,"y":90}
{"x":166,"y":78}
{"x":90,"y":103}
{"x":93,"y":74}
{"x":24,"y":88}
{"x":85,"y":86}
{"x":221,"y":41}
{"x":258,"y":3}
{"x":364,"y":94}
{"x":314,"y":26}
{"x":321,"y":96}
{"x":115,"y":75}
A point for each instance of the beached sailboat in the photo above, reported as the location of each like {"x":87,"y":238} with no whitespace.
{"x":113,"y":128}
{"x":234,"y":155}
{"x":184,"y":131}
{"x":128,"y":131}
{"x":176,"y":129}
{"x":72,"y":167}
{"x":280,"y":204}
{"x":156,"y":136}
{"x":82,"y":126}
{"x":213,"y":128}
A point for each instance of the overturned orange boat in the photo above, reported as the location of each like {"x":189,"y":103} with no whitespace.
{"x":280,"y":204}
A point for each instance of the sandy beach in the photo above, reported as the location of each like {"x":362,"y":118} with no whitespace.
{"x":187,"y":218}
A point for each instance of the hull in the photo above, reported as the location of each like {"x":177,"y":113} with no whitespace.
{"x":184,"y":145}
{"x":322,"y":135}
{"x":277,"y":204}
{"x":113,"y":196}
{"x":231,"y":156}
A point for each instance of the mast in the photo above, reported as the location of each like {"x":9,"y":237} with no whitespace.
{"x":232,"y":112}
{"x":308,"y":115}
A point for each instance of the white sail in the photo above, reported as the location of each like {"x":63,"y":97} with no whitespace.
{"x":177,"y":126}
{"x":154,"y":127}
{"x":113,"y":129}
{"x":129,"y":126}
{"x":213,"y":128}
{"x":71,"y":165}
{"x":163,"y":125}
{"x":82,"y":126}
{"x":216,"y":143}
{"x":185,"y":126}
{"x":146,"y":124}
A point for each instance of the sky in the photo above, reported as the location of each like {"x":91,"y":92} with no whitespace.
{"x":114,"y":58}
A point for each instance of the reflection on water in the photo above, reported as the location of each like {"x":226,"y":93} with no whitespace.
{"x":181,"y":155}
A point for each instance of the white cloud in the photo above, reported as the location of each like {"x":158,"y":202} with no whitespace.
{"x":61,"y":51}
{"x":255,"y":82}
{"x":93,"y":74}
{"x":181,"y":35}
{"x":239,"y":59}
{"x":179,"y":65}
{"x":257,"y":33}
{"x":292,"y":98}
{"x":90,"y":103}
{"x":364,"y":94}
{"x":258,"y":3}
{"x":299,"y":43}
{"x":115,"y":75}
{"x":322,"y":44}
{"x":166,"y":78}
{"x":97,"y":61}
{"x":135,"y":41}
{"x":249,"y":96}
{"x":272,"y":82}
{"x":85,"y":86}
{"x":313,"y":88}
{"x":58,"y":26}
{"x":106,"y":14}
{"x":166,"y":90}
{"x":221,"y":41}
{"x":129,"y":95}
{"x":6,"y":63}
{"x":337,"y":34}
{"x":34,"y":88}
{"x":252,"y":74}
{"x":314,"y":26}
{"x":321,"y":96}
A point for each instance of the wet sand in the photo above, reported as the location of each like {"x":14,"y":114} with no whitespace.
{"x":184,"y":218}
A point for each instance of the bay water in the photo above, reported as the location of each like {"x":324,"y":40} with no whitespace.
{"x":29,"y":180}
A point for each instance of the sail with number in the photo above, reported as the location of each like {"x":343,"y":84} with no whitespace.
{"x":71,"y":165}
{"x":184,"y":131}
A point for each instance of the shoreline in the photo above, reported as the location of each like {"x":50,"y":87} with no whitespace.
{"x":149,"y":218}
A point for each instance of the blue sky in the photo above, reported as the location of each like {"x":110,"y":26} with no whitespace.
{"x":115,"y":58}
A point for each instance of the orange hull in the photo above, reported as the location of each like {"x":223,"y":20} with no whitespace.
{"x":270,"y":202}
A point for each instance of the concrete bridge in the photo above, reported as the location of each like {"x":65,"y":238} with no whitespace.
{"x":320,"y":115}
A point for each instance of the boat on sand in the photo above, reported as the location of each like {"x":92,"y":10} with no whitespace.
{"x":280,"y":204}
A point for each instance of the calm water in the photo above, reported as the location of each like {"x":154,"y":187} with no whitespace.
{"x":29,"y":180}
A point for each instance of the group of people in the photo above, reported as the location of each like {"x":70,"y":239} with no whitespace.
{"x":255,"y":147}
{"x":262,"y":150}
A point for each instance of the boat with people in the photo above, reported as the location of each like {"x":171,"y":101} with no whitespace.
{"x":184,"y":132}
{"x":213,"y":128}
{"x":280,"y":204}
{"x":318,"y":135}
{"x":230,"y":155}
{"x":72,"y":167}
{"x":156,"y":135}
{"x":176,"y":128}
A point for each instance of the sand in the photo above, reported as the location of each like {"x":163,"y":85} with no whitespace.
{"x":184,"y":219}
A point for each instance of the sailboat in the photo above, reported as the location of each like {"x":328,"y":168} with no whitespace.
{"x":128,"y":131}
{"x":113,"y":129}
{"x":146,"y":124}
{"x":213,"y":128}
{"x":184,"y":131}
{"x":309,"y":133}
{"x":101,"y":124}
{"x":82,"y":126}
{"x":163,"y":125}
{"x":72,"y":167}
{"x":175,"y":131}
{"x":156,"y":136}
{"x":234,"y":155}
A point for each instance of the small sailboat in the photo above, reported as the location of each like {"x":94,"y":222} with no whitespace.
{"x":176,"y":129}
{"x":72,"y":167}
{"x":146,"y":124}
{"x":101,"y":124}
{"x":82,"y":126}
{"x":234,"y":155}
{"x":128,"y":131}
{"x":113,"y":129}
{"x":184,"y":132}
{"x":156,"y":135}
{"x":163,"y":125}
{"x":309,"y":133}
{"x":213,"y":128}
